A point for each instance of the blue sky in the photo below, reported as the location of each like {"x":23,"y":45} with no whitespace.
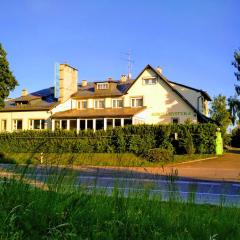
{"x":192,"y":40}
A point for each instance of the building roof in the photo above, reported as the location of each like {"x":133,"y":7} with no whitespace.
{"x":42,"y":100}
{"x":98,"y":113}
{"x":200,"y":116}
{"x":204,"y":93}
{"x":118,"y":89}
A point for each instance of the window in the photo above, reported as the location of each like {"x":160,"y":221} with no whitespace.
{"x":64,"y":124}
{"x":149,"y":81}
{"x":117,"y":103}
{"x":57,"y":124}
{"x":99,"y":103}
{"x":17,"y":124}
{"x":109,"y":123}
{"x":117,"y":122}
{"x":82,"y":124}
{"x":73,"y":124}
{"x":127,"y":121}
{"x":90,"y":124}
{"x":82,"y":104}
{"x":175,"y":120}
{"x":102,"y":86}
{"x":99,"y":124}
{"x":137,"y":102}
{"x":4,"y":125}
{"x":37,"y":123}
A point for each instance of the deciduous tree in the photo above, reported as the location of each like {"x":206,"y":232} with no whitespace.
{"x":220,"y":113}
{"x":233,"y":102}
{"x":7,"y":80}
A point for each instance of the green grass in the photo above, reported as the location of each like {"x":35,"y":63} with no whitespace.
{"x":93,"y":159}
{"x":65,"y":212}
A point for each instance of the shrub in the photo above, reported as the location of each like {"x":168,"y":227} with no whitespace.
{"x":159,"y":155}
{"x":2,"y":155}
{"x":137,"y":139}
{"x":235,"y":141}
{"x":187,"y":143}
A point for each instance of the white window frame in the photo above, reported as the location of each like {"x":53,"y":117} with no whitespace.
{"x":116,"y":100}
{"x":31,"y":124}
{"x":2,"y":125}
{"x":15,"y":124}
{"x":134,"y":102}
{"x":96,"y":106}
{"x":80,"y":104}
{"x":150,"y":81}
{"x":102,"y":86}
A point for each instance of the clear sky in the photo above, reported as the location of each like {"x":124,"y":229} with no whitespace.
{"x":192,"y":40}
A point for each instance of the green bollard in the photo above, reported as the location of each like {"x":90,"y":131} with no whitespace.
{"x":219,"y":142}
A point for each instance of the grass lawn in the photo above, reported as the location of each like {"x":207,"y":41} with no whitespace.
{"x":93,"y":159}
{"x":62,"y":212}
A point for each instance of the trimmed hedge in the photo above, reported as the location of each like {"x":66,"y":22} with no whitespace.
{"x":132,"y":138}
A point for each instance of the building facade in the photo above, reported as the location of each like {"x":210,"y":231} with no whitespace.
{"x":150,"y":98}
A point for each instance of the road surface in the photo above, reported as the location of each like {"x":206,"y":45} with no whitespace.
{"x":128,"y":182}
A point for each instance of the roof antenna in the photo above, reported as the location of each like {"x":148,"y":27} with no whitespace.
{"x":130,"y":63}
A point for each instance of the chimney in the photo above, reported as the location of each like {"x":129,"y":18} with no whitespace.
{"x":24,"y":92}
{"x":129,"y":76}
{"x":84,"y":83}
{"x":66,"y":82}
{"x":159,"y":70}
{"x":123,"y":78}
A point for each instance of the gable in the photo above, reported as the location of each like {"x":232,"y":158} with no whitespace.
{"x":161,"y":95}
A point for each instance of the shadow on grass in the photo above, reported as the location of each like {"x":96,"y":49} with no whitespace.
{"x":4,"y":159}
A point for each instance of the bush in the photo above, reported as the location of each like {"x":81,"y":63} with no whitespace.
{"x":137,"y":139}
{"x":187,"y":143}
{"x":235,"y":141}
{"x":159,"y":155}
{"x":2,"y":155}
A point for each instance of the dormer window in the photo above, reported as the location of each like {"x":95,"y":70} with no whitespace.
{"x":101,"y":86}
{"x":149,"y":81}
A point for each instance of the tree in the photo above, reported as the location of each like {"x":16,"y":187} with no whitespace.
{"x":7,"y":80}
{"x":220,"y":113}
{"x":236,"y":64}
{"x":233,"y":102}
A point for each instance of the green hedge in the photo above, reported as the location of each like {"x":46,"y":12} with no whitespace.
{"x":132,"y":138}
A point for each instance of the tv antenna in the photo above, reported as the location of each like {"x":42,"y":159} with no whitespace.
{"x":129,"y":61}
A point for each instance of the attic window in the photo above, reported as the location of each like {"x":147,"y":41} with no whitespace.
{"x":149,"y":81}
{"x":102,"y":86}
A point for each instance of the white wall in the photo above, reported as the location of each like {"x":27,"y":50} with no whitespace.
{"x":25,"y":116}
{"x":162,"y":103}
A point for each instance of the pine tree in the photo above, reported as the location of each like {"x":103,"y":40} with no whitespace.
{"x":7,"y":80}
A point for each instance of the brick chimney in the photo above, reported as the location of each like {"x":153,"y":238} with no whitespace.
{"x":159,"y":70}
{"x":24,"y":92}
{"x":123,"y":78}
{"x":84,"y":83}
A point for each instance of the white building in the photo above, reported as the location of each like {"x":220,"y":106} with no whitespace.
{"x":150,"y":98}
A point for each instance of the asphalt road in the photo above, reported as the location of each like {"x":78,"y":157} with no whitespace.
{"x":131,"y":182}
